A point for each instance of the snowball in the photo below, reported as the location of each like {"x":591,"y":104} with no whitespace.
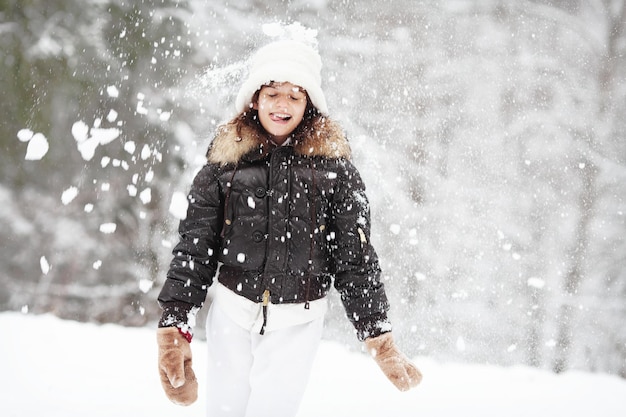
{"x":96,"y":265}
{"x":112,"y":116}
{"x":178,"y":205}
{"x":108,"y":228}
{"x":80,"y":131}
{"x":145,"y":285}
{"x":251,"y":202}
{"x":25,"y":135}
{"x":87,"y":148}
{"x":146,"y":196}
{"x":460,"y":344}
{"x":395,"y":229}
{"x":241,"y":257}
{"x":130,"y":147}
{"x":112,"y":91}
{"x":132,"y":190}
{"x":45,"y":266}
{"x":37,"y":147}
{"x":165,"y":116}
{"x":141,"y":109}
{"x":536,"y":282}
{"x":69,"y":195}
{"x":145,"y":152}
{"x":88,"y":208}
{"x":105,"y":135}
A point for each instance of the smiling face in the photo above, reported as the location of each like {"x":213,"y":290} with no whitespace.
{"x":281,"y":107}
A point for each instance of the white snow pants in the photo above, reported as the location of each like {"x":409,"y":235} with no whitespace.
{"x":253,"y":375}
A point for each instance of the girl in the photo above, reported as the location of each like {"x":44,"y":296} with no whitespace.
{"x":282,"y":211}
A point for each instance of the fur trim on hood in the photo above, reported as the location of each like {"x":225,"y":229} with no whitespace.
{"x":326,"y":139}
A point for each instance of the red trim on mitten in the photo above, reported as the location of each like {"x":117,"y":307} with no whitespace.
{"x":186,"y":334}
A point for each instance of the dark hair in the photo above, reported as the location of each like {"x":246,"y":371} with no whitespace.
{"x":250,"y":118}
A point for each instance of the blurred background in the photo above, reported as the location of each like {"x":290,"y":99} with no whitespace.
{"x":491,"y":135}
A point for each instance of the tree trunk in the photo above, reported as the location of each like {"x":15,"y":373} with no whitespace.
{"x":566,"y":317}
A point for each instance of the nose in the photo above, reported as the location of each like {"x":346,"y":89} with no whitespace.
{"x":281,"y":101}
{"x":281,"y":104}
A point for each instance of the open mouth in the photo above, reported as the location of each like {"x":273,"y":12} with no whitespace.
{"x":280,"y":117}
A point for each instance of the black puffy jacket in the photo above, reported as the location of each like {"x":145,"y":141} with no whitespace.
{"x":289,"y":220}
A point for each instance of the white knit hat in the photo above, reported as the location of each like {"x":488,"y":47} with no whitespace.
{"x":284,"y":61}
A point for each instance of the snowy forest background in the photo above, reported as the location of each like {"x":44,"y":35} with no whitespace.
{"x":491,"y":135}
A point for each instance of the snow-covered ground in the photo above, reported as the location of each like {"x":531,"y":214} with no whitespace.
{"x":52,"y":367}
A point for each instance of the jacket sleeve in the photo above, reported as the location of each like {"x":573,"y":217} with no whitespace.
{"x":194,"y":264}
{"x":356,"y":267}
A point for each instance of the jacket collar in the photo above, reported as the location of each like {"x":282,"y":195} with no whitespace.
{"x":326,"y":139}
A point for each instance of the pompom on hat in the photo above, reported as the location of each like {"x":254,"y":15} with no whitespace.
{"x":284,"y":61}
